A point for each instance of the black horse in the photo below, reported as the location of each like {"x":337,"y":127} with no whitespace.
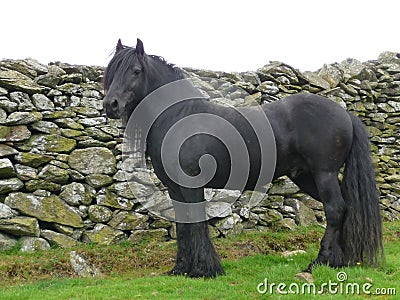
{"x":315,"y":137}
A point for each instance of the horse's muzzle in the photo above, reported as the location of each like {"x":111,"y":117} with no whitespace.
{"x":111,"y":107}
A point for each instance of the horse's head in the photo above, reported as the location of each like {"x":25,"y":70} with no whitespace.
{"x":125,"y":82}
{"x":130,"y":76}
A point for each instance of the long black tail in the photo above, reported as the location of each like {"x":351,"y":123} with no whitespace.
{"x":362,"y":228}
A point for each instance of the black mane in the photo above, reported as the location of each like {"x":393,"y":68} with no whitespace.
{"x":124,"y":58}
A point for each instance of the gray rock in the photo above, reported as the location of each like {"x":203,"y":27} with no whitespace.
{"x":68,"y":123}
{"x":305,"y":276}
{"x":10,"y":185}
{"x":67,"y":230}
{"x":14,"y":80}
{"x":331,"y":74}
{"x":153,"y":235}
{"x":218,"y":209}
{"x":110,"y":199}
{"x":74,"y":102}
{"x":75,"y":194}
{"x":14,"y":133}
{"x":25,"y":172}
{"x":269,"y":217}
{"x":58,"y":114}
{"x":131,"y":190}
{"x":72,"y":78}
{"x":49,"y":209}
{"x":41,"y":102}
{"x":229,"y":223}
{"x":58,"y":239}
{"x":6,"y":150}
{"x":92,"y":103}
{"x":268,"y":87}
{"x":33,"y":244}
{"x":33,"y":159}
{"x":304,"y":215}
{"x":157,"y":203}
{"x":49,"y":80}
{"x":36,"y":66}
{"x":251,"y":77}
{"x":45,"y":127}
{"x":3,"y":116}
{"x":287,"y":223}
{"x":395,"y":105}
{"x":313,"y":204}
{"x":87,"y":112}
{"x":61,"y":101}
{"x":56,"y":70}
{"x":49,"y":143}
{"x":71,"y":133}
{"x":284,"y":187}
{"x":98,"y":134}
{"x":160,"y":223}
{"x":7,"y":242}
{"x":125,"y":220}
{"x":70,"y":89}
{"x":8,"y":105}
{"x":99,"y":213}
{"x":54,"y":174}
{"x":41,"y":184}
{"x":82,"y":268}
{"x":143,"y":176}
{"x":22,"y":100}
{"x":316,"y":80}
{"x":20,"y":226}
{"x":90,"y":93}
{"x":228,"y":196}
{"x":287,"y":210}
{"x":6,"y":211}
{"x":89,"y":122}
{"x":393,"y":178}
{"x":19,"y":66}
{"x":93,"y":160}
{"x":6,"y":168}
{"x":103,"y":235}
{"x":98,"y":180}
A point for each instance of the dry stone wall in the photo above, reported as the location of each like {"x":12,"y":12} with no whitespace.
{"x":61,"y":181}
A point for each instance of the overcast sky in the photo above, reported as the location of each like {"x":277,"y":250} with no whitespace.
{"x":210,"y":34}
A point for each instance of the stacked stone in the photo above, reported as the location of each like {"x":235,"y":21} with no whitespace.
{"x":61,"y":180}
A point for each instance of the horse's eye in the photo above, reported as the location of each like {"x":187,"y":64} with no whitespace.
{"x":137,"y":71}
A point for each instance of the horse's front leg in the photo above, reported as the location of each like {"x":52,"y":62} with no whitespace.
{"x":204,"y":259}
{"x":182,"y":263}
{"x":196,"y":255}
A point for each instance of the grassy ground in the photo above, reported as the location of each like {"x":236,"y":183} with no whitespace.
{"x":253,"y":263}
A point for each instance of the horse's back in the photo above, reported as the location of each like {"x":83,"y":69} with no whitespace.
{"x":311,"y":130}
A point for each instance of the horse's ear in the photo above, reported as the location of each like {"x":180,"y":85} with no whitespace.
{"x":139,"y":47}
{"x":119,"y":46}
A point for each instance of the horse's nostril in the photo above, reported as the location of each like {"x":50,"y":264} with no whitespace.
{"x":114,"y":104}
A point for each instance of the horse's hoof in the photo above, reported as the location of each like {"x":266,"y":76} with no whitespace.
{"x":175,"y":272}
{"x":311,"y":266}
{"x":205,"y":274}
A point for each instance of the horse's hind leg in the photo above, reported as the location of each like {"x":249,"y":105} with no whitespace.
{"x":331,"y":252}
{"x":196,"y":255}
{"x":306,"y":183}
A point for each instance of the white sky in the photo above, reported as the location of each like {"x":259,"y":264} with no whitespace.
{"x":211,"y":34}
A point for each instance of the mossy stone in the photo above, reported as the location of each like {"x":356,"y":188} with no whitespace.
{"x":49,"y":209}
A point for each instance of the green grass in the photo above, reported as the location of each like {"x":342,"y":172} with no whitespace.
{"x":136,"y":271}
